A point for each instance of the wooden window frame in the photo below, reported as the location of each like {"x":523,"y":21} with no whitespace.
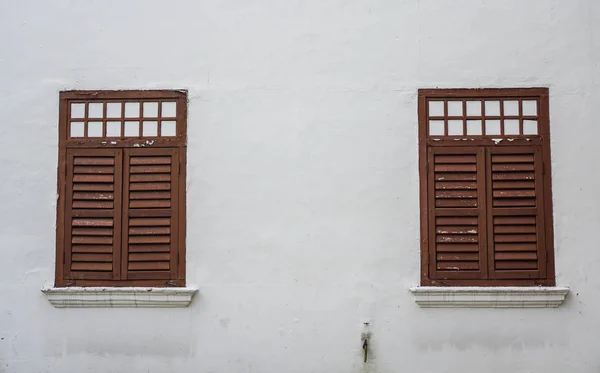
{"x":178,"y":143}
{"x":542,"y":140}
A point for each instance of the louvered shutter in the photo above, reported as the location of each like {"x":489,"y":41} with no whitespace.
{"x":150,"y":214}
{"x":516,"y":229}
{"x":456,"y":213}
{"x":92,"y":214}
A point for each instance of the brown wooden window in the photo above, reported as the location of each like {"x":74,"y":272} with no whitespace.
{"x":486,"y":203}
{"x":121,"y":184}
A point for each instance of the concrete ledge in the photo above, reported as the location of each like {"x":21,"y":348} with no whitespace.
{"x":113,"y":297}
{"x":489,"y":297}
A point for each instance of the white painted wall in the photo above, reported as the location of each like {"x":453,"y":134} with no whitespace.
{"x":303,"y":208}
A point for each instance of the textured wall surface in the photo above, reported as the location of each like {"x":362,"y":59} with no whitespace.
{"x":303,"y":217}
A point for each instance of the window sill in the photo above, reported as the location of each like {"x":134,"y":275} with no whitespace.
{"x":489,"y":297}
{"x":115,"y":297}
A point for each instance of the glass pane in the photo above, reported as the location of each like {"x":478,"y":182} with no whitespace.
{"x":511,"y":127}
{"x":132,"y":109}
{"x":77,"y":110}
{"x":150,"y":129}
{"x":529,"y":107}
{"x":455,"y":127}
{"x":436,"y":108}
{"x":94,"y":129}
{"x":530,"y":127}
{"x":168,"y":128}
{"x":150,"y":109}
{"x":169,"y":109}
{"x":492,"y":127}
{"x":95,"y":110}
{"x":132,"y":129}
{"x":473,"y":108}
{"x":436,"y":128}
{"x":455,"y":108}
{"x":77,"y":129}
{"x":474,"y":127}
{"x":113,"y":129}
{"x":492,"y":108}
{"x":113,"y":110}
{"x":511,"y":108}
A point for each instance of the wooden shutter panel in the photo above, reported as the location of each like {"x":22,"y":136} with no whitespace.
{"x":151,"y":214}
{"x":516,"y":213}
{"x":456,"y":213}
{"x":92,"y":214}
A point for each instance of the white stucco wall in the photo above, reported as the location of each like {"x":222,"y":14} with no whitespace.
{"x":302,"y":189}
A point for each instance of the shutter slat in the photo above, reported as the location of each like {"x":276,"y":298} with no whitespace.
{"x":149,"y":178}
{"x":92,"y":248}
{"x":150,"y":160}
{"x":92,"y":258}
{"x":94,"y":187}
{"x":93,"y":222}
{"x":150,"y":186}
{"x":149,"y":204}
{"x":142,"y":248}
{"x":515,"y":217}
{"x":442,"y":248}
{"x":92,"y":267}
{"x":93,"y":232}
{"x":445,"y":185}
{"x":148,"y":266}
{"x":96,"y":161}
{"x":149,"y":169}
{"x":457,"y":266}
{"x":456,"y":199}
{"x":445,"y":257}
{"x":150,"y":214}
{"x":149,"y":257}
